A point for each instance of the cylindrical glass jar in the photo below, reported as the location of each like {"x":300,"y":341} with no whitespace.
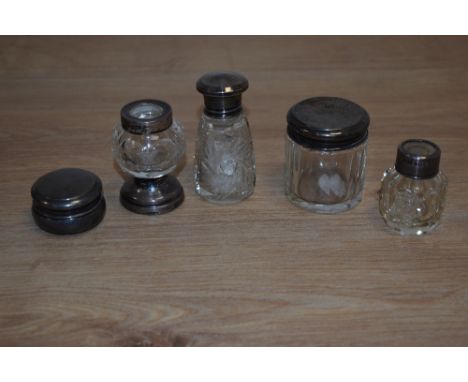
{"x":412,"y":195}
{"x":326,"y":151}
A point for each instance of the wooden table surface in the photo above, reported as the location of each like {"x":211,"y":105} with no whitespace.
{"x":262,"y":272}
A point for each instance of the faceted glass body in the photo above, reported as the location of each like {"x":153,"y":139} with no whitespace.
{"x":224,"y":168}
{"x":412,"y":206}
{"x":324,"y":181}
{"x":149,"y":155}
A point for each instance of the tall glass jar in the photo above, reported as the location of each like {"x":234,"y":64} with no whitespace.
{"x":224,"y":169}
{"x":326,"y":151}
{"x":412,"y":195}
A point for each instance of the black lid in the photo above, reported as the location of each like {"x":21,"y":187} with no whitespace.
{"x":222,"y":92}
{"x":328,"y":123}
{"x":67,"y":201}
{"x":418,"y":159}
{"x":139,"y":116}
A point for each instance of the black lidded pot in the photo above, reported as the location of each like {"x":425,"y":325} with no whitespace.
{"x":68,"y":201}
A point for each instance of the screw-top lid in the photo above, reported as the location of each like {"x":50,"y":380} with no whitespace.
{"x":139,"y":116}
{"x":328,"y":123}
{"x":222,"y":92}
{"x":418,"y":159}
{"x":67,"y":201}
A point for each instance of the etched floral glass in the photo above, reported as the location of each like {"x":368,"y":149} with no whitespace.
{"x":224,"y":168}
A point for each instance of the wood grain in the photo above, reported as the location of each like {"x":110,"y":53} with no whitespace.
{"x":262,"y":272}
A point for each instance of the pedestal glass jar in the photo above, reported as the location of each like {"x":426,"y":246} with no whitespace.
{"x":326,"y":150}
{"x":224,"y":169}
{"x":148,"y":145}
{"x":412,"y":195}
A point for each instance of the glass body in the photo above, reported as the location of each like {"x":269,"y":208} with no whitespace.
{"x":324,"y":181}
{"x":224,"y":168}
{"x":148,"y":155}
{"x":411,"y":206}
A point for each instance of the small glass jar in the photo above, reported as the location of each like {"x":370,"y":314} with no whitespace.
{"x":412,"y":195}
{"x":224,"y":169}
{"x":326,"y":151}
{"x":148,"y":145}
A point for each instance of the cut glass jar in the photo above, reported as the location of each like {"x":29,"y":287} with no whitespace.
{"x":412,"y":195}
{"x":326,"y":151}
{"x":224,"y":169}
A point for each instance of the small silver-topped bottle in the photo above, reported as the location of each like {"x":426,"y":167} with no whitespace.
{"x":224,"y":168}
{"x":412,"y":195}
